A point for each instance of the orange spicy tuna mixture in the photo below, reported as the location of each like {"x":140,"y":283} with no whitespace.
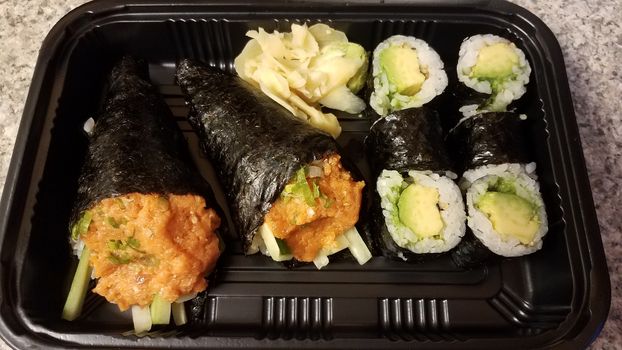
{"x":147,"y":244}
{"x":307,"y":224}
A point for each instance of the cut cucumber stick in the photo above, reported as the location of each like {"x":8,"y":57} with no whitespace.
{"x":79,"y":286}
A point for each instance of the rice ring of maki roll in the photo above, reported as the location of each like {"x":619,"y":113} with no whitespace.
{"x":423,"y":211}
{"x":494,"y":66}
{"x":406,"y":73}
{"x":291,"y":196}
{"x":418,"y":210}
{"x":472,"y":175}
{"x":506,"y":212}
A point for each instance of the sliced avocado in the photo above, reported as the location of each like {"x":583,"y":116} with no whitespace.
{"x":503,"y":185}
{"x":510,"y":215}
{"x":418,"y":210}
{"x":495,"y":62}
{"x":401,"y":64}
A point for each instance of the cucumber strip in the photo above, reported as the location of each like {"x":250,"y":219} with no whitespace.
{"x":179,"y":314}
{"x":82,"y":226}
{"x":79,"y":286}
{"x":141,"y":316}
{"x":357,"y":246}
{"x":160,"y":310}
{"x":283,"y":248}
{"x":272,"y":245}
{"x":321,"y":260}
{"x":341,"y":243}
{"x":186,"y":297}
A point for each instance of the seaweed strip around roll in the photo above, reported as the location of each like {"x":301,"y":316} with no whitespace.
{"x":410,"y":139}
{"x":490,"y":138}
{"x":471,"y":253}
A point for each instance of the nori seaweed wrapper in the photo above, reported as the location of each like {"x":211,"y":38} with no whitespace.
{"x":490,"y":138}
{"x":463,"y":95}
{"x":136,"y":145}
{"x":255,"y":144}
{"x":471,"y":252}
{"x":410,"y":139}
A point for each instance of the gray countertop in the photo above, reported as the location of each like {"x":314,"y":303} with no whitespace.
{"x":590,"y":35}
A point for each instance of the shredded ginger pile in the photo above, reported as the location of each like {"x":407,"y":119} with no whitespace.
{"x":306,"y":69}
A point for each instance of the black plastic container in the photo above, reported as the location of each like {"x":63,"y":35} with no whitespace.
{"x":558,"y":297}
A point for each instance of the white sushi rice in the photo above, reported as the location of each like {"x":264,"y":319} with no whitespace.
{"x":526,"y":187}
{"x":471,"y":110}
{"x":511,"y":89}
{"x":390,"y":184}
{"x":89,"y":126}
{"x":385,"y":99}
{"x":473,"y":175}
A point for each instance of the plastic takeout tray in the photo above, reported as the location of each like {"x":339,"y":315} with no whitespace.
{"x":558,"y":297}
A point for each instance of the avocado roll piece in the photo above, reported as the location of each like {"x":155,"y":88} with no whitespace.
{"x":493,"y":66}
{"x":418,"y":210}
{"x":143,"y":219}
{"x":506,"y":213}
{"x":406,"y":73}
{"x":291,"y":197}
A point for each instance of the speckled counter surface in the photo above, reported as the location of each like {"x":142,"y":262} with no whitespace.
{"x":590,"y":35}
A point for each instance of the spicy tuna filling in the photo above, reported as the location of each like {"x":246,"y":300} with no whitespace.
{"x":316,"y":207}
{"x":146,"y":245}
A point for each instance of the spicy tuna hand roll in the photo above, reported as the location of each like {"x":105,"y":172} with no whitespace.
{"x":143,"y":218}
{"x":289,"y":194}
{"x":418,"y":208}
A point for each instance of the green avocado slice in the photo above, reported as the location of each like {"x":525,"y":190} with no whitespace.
{"x":510,"y":215}
{"x":401,"y":65}
{"x":495,"y":62}
{"x":418,"y":210}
